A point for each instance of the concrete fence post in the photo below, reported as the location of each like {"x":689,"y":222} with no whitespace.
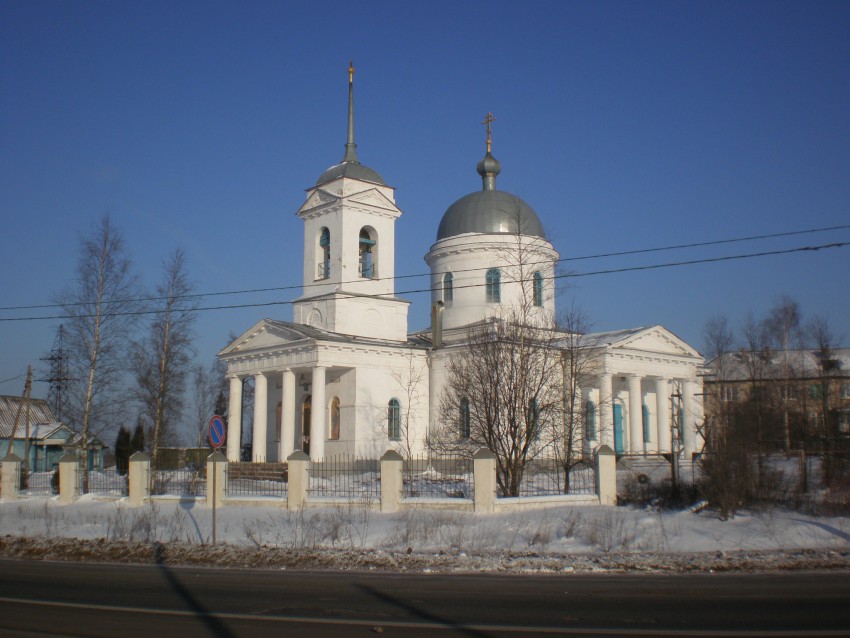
{"x":606,"y":475}
{"x":69,"y":483}
{"x":10,"y":476}
{"x":216,"y":467}
{"x":484,"y":473}
{"x":392,"y":482}
{"x":139,"y":484}
{"x":299,"y":479}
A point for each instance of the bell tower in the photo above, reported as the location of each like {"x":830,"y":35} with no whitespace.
{"x":349,"y":249}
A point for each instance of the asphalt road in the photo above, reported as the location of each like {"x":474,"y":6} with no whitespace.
{"x":85,"y":599}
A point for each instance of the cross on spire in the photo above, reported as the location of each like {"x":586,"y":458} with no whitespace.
{"x":488,"y":121}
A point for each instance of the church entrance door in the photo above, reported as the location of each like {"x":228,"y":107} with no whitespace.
{"x":618,"y":428}
{"x":306,"y":413}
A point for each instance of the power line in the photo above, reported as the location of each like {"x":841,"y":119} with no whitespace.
{"x":799,"y":249}
{"x":637,"y":251}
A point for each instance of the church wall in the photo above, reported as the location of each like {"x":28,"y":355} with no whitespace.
{"x":404,"y":377}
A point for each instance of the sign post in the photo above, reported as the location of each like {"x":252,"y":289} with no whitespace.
{"x":217,"y":437}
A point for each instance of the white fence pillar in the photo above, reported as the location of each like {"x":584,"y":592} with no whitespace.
{"x":10,"y":476}
{"x":139,"y":483}
{"x":392,"y":481}
{"x":484,"y":477}
{"x":299,"y":479}
{"x":69,"y":486}
{"x":606,"y":475}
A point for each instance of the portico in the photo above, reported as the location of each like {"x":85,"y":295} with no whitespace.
{"x":645,"y":377}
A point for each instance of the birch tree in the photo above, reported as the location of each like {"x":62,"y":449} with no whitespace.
{"x":161,"y":361}
{"x":100,"y":307}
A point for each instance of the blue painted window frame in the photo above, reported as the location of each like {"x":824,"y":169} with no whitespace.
{"x":448,"y":288}
{"x":538,"y":289}
{"x":493,"y":280}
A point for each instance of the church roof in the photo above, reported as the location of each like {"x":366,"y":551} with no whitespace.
{"x":351,"y":170}
{"x":489,"y":211}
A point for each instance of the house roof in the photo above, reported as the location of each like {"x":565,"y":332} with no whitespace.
{"x":39,"y":414}
{"x":777,"y":364}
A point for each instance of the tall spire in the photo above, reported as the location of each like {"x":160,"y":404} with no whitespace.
{"x":489,"y":167}
{"x":350,"y":146}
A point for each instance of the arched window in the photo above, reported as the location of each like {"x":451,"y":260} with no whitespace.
{"x":325,"y":248}
{"x":645,"y":423}
{"x":590,"y":420}
{"x":394,"y":420}
{"x":465,"y":429}
{"x":334,"y":419}
{"x":538,"y":289}
{"x":533,"y":414}
{"x":367,"y":246}
{"x":494,"y":285}
{"x":448,"y":291}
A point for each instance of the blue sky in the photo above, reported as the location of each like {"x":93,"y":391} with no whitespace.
{"x":625,"y":125}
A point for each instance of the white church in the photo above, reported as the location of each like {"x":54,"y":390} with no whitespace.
{"x":346,"y":376}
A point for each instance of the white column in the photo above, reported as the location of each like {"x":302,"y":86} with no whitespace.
{"x":635,"y":415}
{"x":662,"y":409}
{"x":261,"y":415}
{"x":287,"y":416}
{"x":318,"y":432}
{"x":606,"y":414}
{"x":234,"y":420}
{"x":689,"y":403}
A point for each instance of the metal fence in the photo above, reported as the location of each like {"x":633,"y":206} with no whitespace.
{"x":182,"y":482}
{"x":438,"y":477}
{"x":108,"y":482}
{"x":40,"y":484}
{"x":546,"y":477}
{"x":345,"y":476}
{"x":257,"y":479}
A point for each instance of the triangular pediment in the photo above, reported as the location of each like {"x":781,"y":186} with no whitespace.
{"x":265,"y":335}
{"x":372,"y":197}
{"x":318,"y":198}
{"x":657,"y":340}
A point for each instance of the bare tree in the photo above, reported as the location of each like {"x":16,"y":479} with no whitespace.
{"x":161,"y":361}
{"x":209,"y":395}
{"x":719,"y":343}
{"x":411,"y":381}
{"x":503,"y":391}
{"x":504,"y":387}
{"x":100,"y":308}
{"x":829,"y":365}
{"x":578,"y":362}
{"x":783,"y":330}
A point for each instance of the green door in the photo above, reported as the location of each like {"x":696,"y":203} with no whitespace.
{"x":618,"y":428}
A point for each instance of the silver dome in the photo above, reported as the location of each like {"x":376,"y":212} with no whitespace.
{"x":490,"y":211}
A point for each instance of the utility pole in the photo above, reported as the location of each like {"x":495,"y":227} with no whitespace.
{"x":25,"y":474}
{"x":675,"y":422}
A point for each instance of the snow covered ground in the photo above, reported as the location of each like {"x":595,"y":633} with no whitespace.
{"x":354,"y":533}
